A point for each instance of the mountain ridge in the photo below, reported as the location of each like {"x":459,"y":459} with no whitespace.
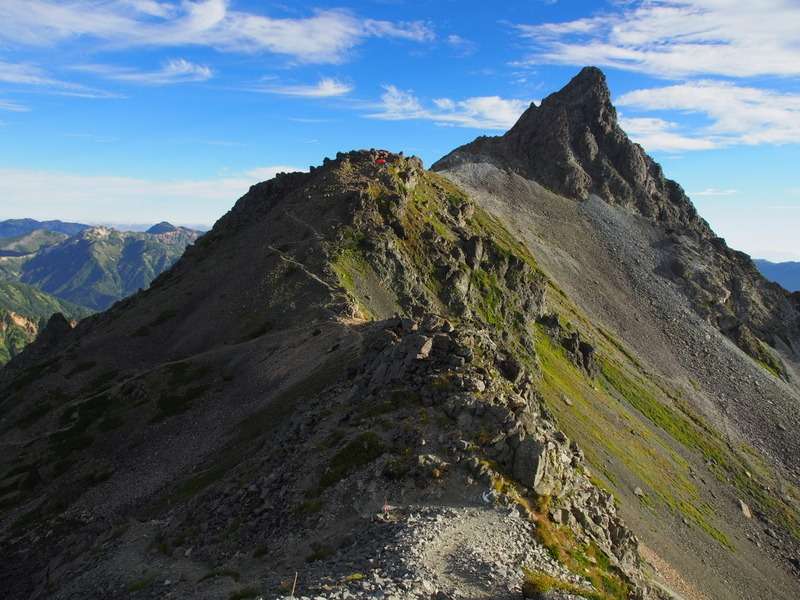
{"x":82,"y":272}
{"x":387,"y":380}
{"x":397,"y":224}
{"x":17,"y":227}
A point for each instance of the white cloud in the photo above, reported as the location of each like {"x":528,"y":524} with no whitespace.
{"x":737,"y":114}
{"x":154,"y":8}
{"x":173,"y":71}
{"x":25,"y":74}
{"x":415,"y":31}
{"x":93,"y":198}
{"x":708,"y":192}
{"x":325,"y":37}
{"x":462,"y":46}
{"x":660,"y":135}
{"x":324,"y":88}
{"x":480,"y":112}
{"x":758,"y":227}
{"x":678,"y":38}
{"x":13,"y":106}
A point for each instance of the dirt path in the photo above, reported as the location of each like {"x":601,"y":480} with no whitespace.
{"x":480,"y":553}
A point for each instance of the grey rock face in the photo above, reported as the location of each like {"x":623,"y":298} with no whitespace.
{"x":540,"y":466}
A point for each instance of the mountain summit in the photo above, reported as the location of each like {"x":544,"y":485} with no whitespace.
{"x":374,"y":380}
{"x":162,"y":227}
{"x":573,"y":145}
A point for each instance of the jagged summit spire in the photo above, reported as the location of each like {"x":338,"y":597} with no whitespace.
{"x":588,"y":86}
{"x":573,"y":145}
{"x":585,"y":100}
{"x":591,"y":76}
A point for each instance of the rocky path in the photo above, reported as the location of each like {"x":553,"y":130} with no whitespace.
{"x":470,"y":553}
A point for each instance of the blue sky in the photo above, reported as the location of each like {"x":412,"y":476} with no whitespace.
{"x":134,"y":111}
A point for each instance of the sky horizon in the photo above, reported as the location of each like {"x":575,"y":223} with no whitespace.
{"x":138,"y":111}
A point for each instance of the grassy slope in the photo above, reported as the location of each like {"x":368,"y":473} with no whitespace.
{"x":99,"y":271}
{"x":638,"y":431}
{"x":35,"y":306}
{"x":31,"y":242}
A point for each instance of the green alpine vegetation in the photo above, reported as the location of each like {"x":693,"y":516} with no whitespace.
{"x":101,"y":265}
{"x":75,"y":269}
{"x":23,"y":311}
{"x":29,"y":243}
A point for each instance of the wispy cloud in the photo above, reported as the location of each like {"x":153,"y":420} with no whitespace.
{"x":173,"y":71}
{"x":324,"y":88}
{"x":677,"y":38}
{"x":32,"y":75}
{"x":324,"y":37}
{"x":480,"y":112}
{"x":153,"y":8}
{"x":462,"y":46}
{"x":13,"y":106}
{"x":414,"y":31}
{"x":739,"y":115}
{"x":661,"y":135}
{"x":714,"y":192}
{"x":25,"y":74}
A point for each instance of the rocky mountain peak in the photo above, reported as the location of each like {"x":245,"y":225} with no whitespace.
{"x":584,"y":101}
{"x":162,"y":227}
{"x":588,"y":86}
{"x":573,"y":145}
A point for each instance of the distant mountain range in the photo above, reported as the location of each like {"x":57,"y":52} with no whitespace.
{"x":17,"y":227}
{"x":75,"y":269}
{"x":787,"y":274}
{"x":99,"y":266}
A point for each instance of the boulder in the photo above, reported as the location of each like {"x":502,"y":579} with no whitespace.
{"x":539,"y":466}
{"x":473,"y":251}
{"x":746,"y":513}
{"x":511,"y":369}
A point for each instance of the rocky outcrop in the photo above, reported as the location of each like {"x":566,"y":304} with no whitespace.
{"x":493,"y":422}
{"x":580,"y":352}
